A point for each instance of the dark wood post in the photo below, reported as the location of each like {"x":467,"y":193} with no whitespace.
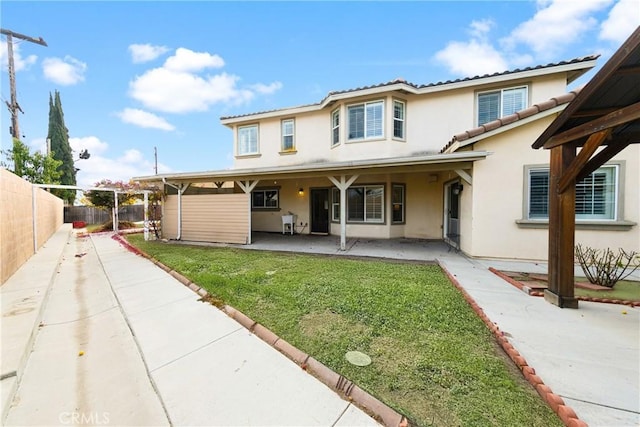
{"x":562,"y":222}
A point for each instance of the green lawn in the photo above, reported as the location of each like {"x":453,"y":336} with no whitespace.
{"x":433,"y":359}
{"x":625,"y":290}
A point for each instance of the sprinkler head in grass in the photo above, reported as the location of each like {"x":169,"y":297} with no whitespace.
{"x":358,"y":358}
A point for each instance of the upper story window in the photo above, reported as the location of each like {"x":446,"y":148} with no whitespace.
{"x":398,"y":119}
{"x":288,"y":129}
{"x":335,"y":127}
{"x":365,"y":120}
{"x":247,"y":140}
{"x":499,"y":103}
{"x":596,"y":195}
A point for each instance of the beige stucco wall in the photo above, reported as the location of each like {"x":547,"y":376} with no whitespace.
{"x":497,"y":197}
{"x":431,"y":120}
{"x":17,"y":224}
{"x":221,"y":218}
{"x":423,"y":206}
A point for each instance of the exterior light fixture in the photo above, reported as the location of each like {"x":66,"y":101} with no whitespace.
{"x":457,"y":188}
{"x":301,"y":191}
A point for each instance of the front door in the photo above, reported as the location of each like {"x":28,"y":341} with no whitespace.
{"x":452,"y":213}
{"x":320,"y":211}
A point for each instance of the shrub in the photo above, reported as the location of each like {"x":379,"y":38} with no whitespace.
{"x":605,"y":267}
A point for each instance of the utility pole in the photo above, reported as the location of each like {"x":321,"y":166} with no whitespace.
{"x":155,"y":155}
{"x":14,"y":107}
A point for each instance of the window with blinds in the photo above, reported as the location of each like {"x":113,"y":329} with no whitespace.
{"x":499,"y":103}
{"x":365,"y":120}
{"x":596,"y":195}
{"x":364,"y":204}
{"x":247,"y":140}
{"x":398,"y":119}
{"x":335,"y":127}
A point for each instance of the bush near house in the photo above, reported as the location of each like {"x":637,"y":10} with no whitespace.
{"x":605,"y":267}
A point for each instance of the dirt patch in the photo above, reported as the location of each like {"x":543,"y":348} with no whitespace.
{"x":327,"y":323}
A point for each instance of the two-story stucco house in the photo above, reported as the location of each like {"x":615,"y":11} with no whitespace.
{"x":449,"y":160}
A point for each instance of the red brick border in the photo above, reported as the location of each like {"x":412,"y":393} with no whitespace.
{"x":528,"y":291}
{"x":344,"y":387}
{"x":555,"y":402}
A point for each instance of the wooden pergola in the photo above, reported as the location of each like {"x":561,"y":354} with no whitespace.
{"x":602,"y":120}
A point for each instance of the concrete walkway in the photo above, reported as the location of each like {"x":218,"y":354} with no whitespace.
{"x":152,"y":354}
{"x":121,"y":342}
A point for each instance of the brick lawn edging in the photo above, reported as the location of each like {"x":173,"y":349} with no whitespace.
{"x":555,"y":402}
{"x":341,"y":385}
{"x":533,"y":293}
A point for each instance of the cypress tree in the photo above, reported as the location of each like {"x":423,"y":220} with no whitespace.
{"x":60,"y":148}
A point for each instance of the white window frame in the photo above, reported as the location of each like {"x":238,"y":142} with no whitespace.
{"x":247,"y":129}
{"x":365,"y":121}
{"x":264,"y":198}
{"x":501,"y":107}
{"x":612,"y":170}
{"x":335,"y":204}
{"x":288,"y":133}
{"x":335,"y":127}
{"x":401,"y":120}
{"x":400,"y":203}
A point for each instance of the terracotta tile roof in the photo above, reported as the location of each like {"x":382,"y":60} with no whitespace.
{"x":512,"y":118}
{"x":423,"y":86}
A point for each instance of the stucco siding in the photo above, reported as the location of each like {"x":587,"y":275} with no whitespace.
{"x":498,"y":198}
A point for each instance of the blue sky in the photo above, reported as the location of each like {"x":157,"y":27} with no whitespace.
{"x":137,"y":75}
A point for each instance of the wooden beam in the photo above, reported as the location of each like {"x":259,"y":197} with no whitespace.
{"x":581,"y":159}
{"x":562,"y":220}
{"x":464,"y":175}
{"x":618,"y":117}
{"x":600,"y":159}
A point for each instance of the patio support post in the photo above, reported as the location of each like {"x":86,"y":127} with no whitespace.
{"x":343,"y":184}
{"x":562,"y":221}
{"x":146,"y":215}
{"x":115,"y":212}
{"x":248,"y":186}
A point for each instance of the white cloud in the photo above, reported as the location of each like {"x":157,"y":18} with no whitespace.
{"x":66,"y":72}
{"x":267,"y":89}
{"x":146,"y":52}
{"x":178,"y":87}
{"x":623,"y":19}
{"x":19,"y":62}
{"x":473,"y":57}
{"x":176,"y":92}
{"x":556,"y":25}
{"x":131,"y":156}
{"x":90,"y":143}
{"x":100,"y":166}
{"x":144,"y":119}
{"x":188,"y":60}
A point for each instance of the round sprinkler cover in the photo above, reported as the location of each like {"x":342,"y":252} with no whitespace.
{"x":358,"y":358}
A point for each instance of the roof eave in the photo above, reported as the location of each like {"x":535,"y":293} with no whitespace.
{"x":319,"y":168}
{"x":510,"y":126}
